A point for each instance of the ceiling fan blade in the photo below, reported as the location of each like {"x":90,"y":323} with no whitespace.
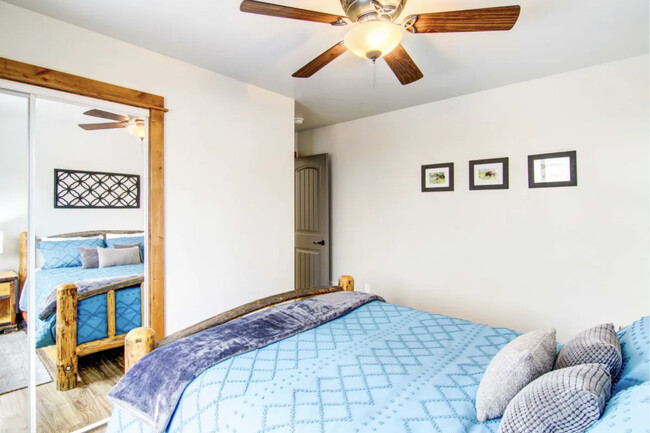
{"x":95,"y":126}
{"x":321,"y":61}
{"x":256,"y":7}
{"x":403,"y":65}
{"x":472,"y":20}
{"x":106,"y":115}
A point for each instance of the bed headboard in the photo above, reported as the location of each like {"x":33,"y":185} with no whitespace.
{"x":22,"y":269}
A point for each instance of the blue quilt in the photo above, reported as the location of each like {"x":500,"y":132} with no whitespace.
{"x":91,"y":312}
{"x":381,"y":368}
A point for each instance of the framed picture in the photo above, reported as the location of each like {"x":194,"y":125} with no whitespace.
{"x":488,"y":174}
{"x":552,"y":169}
{"x":438,"y":177}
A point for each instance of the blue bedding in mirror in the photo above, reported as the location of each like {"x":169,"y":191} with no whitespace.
{"x":91,"y":312}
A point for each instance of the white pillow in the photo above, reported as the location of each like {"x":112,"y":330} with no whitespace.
{"x":124,"y":235}
{"x":76,"y":238}
{"x":108,"y":257}
{"x":518,"y":363}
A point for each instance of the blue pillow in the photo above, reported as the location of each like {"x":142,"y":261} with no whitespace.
{"x":626,"y":412}
{"x":65,"y":254}
{"x":110,"y":243}
{"x":635,"y":348}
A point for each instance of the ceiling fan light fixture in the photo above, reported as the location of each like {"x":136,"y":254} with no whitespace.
{"x":373,"y":39}
{"x":137,"y":128}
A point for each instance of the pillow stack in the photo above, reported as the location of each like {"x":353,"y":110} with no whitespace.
{"x":91,"y":251}
{"x":521,"y":385}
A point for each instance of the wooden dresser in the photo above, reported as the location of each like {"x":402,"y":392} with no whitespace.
{"x":8,"y":284}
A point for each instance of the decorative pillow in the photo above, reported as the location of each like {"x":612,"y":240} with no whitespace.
{"x":89,"y":258}
{"x":138,"y":238}
{"x":118,"y":246}
{"x":635,"y":350}
{"x":626,"y":412}
{"x":118,"y":257}
{"x":518,"y":363}
{"x":65,"y":253}
{"x":568,"y":400}
{"x":595,"y":345}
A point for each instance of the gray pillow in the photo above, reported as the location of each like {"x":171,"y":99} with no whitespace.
{"x":518,"y":363}
{"x":599,"y":344}
{"x":568,"y":400}
{"x":130,"y":246}
{"x":89,"y":258}
{"x":118,"y":257}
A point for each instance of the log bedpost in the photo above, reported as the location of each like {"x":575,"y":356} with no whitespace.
{"x":137,"y":344}
{"x":347,"y":282}
{"x":66,"y":337}
{"x":22,"y":261}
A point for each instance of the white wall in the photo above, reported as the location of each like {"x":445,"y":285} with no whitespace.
{"x":228,"y":164}
{"x":14,"y":178}
{"x":60,"y":143}
{"x":522,"y":258}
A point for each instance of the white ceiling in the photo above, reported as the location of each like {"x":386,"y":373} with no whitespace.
{"x":551,"y":36}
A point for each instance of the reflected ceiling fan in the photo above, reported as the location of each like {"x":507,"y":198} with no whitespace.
{"x":375,"y":34}
{"x":134,"y":124}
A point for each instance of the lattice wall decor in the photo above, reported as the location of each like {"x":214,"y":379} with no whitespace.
{"x":90,"y":189}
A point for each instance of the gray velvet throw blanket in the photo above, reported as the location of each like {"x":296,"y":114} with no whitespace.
{"x":153,"y":386}
{"x":90,"y":285}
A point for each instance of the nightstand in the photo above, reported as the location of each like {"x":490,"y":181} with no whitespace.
{"x":8,"y":283}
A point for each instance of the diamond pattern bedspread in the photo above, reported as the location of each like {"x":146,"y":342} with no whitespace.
{"x":91,"y":312}
{"x":380,"y":368}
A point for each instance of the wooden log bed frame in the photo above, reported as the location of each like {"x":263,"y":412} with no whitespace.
{"x":140,"y":341}
{"x":67,"y":349}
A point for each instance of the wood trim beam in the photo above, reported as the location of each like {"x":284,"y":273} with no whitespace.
{"x":156,"y":223}
{"x":51,"y":79}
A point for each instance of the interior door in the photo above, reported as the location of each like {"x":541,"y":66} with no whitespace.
{"x":312,"y":222}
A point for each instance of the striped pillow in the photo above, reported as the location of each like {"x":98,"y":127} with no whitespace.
{"x":568,"y":400}
{"x":599,"y":345}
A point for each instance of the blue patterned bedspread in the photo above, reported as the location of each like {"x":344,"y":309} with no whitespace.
{"x":91,"y":312}
{"x":380,"y":368}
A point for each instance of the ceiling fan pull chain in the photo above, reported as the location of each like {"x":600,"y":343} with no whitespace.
{"x":374,"y":74}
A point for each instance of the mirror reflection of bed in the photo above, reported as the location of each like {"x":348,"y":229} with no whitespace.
{"x":14,"y":374}
{"x":89,"y":238}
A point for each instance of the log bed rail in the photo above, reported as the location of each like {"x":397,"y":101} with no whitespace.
{"x":67,"y":298}
{"x":140,"y":341}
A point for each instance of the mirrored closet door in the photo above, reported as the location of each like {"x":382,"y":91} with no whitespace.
{"x":89,"y":235}
{"x":90,"y":221}
{"x":73,"y":254}
{"x":14,"y":348}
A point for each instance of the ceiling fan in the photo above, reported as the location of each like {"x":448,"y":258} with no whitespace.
{"x":375,"y":34}
{"x":134,"y":124}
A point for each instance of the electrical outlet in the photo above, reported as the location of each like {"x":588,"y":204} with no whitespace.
{"x":366,"y":288}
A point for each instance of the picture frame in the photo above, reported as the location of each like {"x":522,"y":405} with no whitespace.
{"x":548,"y":170}
{"x":438,"y":177}
{"x":489,"y":174}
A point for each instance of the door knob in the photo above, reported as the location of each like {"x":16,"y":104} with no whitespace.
{"x":322,"y":242}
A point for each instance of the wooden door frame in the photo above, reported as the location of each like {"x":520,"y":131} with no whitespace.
{"x":38,"y":76}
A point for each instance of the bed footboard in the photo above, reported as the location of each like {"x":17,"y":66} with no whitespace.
{"x":67,"y":350}
{"x":141,"y":341}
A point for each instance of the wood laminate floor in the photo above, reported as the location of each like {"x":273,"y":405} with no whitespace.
{"x":66,"y":411}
